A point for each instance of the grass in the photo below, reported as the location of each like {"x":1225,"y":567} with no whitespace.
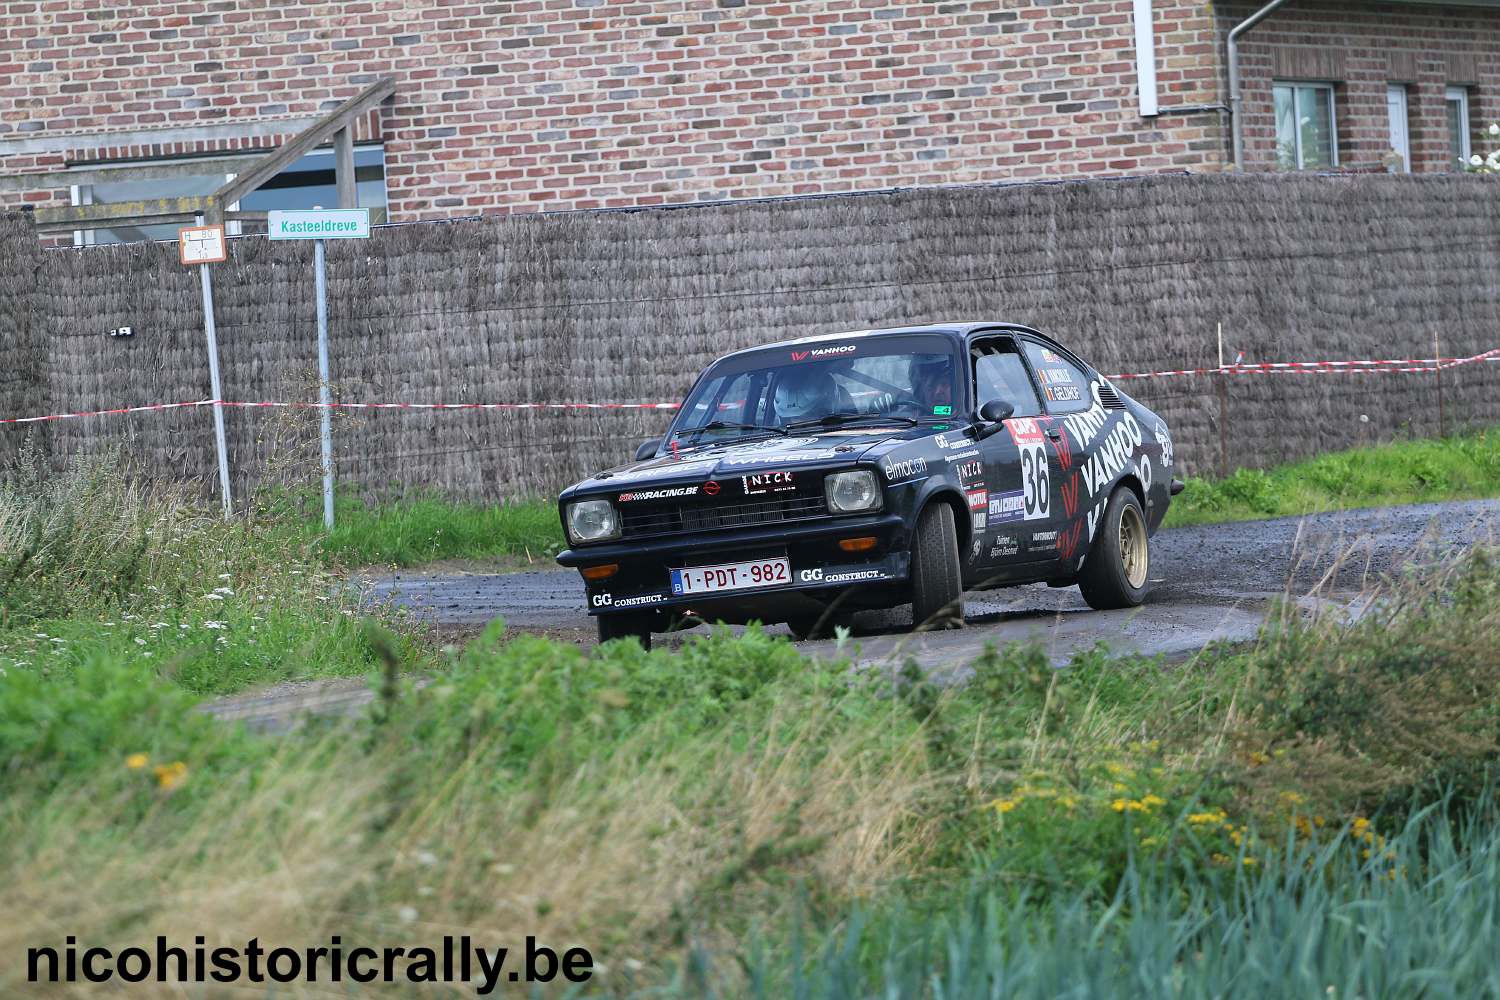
{"x":735,"y":820}
{"x":416,"y":530}
{"x":1401,"y":472}
{"x":96,"y":567}
{"x":732,"y":819}
{"x":413,"y":531}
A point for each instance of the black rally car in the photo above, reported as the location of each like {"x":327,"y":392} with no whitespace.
{"x":806,"y":480}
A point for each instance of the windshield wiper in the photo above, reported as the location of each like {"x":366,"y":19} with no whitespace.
{"x":727,"y":425}
{"x":839,"y":419}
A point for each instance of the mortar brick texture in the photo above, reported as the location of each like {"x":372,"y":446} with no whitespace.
{"x":1361,"y":48}
{"x":573,"y":104}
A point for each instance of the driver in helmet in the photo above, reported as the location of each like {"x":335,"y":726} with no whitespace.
{"x":932,"y":383}
{"x":805,"y":394}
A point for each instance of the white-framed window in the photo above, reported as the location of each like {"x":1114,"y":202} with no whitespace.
{"x":1396,"y":111}
{"x":1305,"y":127}
{"x":1457,"y":101}
{"x":307,"y":183}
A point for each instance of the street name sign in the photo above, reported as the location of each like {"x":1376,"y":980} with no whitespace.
{"x":320,"y":224}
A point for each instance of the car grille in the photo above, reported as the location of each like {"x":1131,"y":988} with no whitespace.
{"x":697,"y":517}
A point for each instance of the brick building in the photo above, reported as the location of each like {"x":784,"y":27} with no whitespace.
{"x":570,"y":104}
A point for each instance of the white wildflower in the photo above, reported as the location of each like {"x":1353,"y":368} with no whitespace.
{"x":214,"y":625}
{"x":213,"y":597}
{"x":407,"y":914}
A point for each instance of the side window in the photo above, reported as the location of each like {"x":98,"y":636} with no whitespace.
{"x":1063,"y":383}
{"x":999,"y":373}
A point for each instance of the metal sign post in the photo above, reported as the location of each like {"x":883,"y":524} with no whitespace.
{"x":319,"y":225}
{"x":204,"y":245}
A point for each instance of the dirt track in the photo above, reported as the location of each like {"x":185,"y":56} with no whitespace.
{"x":1209,"y":583}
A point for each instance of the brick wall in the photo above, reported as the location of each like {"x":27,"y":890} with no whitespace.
{"x":1361,"y":48}
{"x":565,"y":104}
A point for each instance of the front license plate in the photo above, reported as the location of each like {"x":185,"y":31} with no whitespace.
{"x":731,"y":576}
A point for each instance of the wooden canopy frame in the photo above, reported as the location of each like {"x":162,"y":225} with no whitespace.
{"x":337,"y":125}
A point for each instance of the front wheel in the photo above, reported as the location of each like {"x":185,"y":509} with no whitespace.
{"x":625,"y":626}
{"x":1114,"y":574}
{"x":937,"y":593}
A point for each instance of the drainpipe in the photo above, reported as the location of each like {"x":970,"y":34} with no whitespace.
{"x":1145,"y":58}
{"x":1233,"y":57}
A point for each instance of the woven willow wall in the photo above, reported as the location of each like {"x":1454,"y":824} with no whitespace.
{"x":626,"y":307}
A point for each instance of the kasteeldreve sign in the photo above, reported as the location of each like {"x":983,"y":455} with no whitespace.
{"x":320,"y":224}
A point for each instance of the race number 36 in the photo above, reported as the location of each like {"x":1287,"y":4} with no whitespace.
{"x":1036,"y":482}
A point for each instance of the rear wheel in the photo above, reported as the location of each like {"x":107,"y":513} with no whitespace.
{"x":625,"y":626}
{"x":1115,"y":572}
{"x":936,"y":582}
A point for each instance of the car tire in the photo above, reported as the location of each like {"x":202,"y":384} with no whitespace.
{"x":936,"y":575}
{"x":1118,"y":565}
{"x":626,"y":626}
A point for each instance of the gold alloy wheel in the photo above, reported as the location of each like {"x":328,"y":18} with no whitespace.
{"x":1134,"y":552}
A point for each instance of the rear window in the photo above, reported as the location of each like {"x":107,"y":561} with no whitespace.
{"x":1065,"y":385}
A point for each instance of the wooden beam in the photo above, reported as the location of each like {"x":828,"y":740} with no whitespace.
{"x":133,"y":213}
{"x":54,"y":180}
{"x":343,"y":167}
{"x":293,"y":149}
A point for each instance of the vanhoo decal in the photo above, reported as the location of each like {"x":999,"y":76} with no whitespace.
{"x":1113,"y":454}
{"x":1036,"y":475}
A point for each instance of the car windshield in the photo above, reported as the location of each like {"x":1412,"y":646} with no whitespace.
{"x":897,"y":380}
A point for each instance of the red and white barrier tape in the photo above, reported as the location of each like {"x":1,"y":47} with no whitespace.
{"x":1393,"y":366}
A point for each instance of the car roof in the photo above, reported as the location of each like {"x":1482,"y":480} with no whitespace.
{"x":957,"y":331}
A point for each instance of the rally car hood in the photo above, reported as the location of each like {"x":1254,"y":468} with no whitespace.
{"x":828,"y":448}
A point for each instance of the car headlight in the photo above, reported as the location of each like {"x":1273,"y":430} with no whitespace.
{"x":852,"y":492}
{"x":592,"y":521}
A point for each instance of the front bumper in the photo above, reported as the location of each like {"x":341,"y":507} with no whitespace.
{"x":820,"y":569}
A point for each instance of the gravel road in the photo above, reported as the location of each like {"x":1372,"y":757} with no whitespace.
{"x":1209,"y":583}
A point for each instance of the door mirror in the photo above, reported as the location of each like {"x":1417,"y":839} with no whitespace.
{"x":992,"y":413}
{"x":647,"y":449}
{"x":996,"y":410}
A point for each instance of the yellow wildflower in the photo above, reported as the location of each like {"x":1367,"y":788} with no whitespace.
{"x":1249,"y":862}
{"x":1118,"y":805}
{"x":1153,"y":800}
{"x":169,"y":776}
{"x":1205,"y":818}
{"x":1004,"y":805}
{"x":1292,"y":798}
{"x":136,"y":761}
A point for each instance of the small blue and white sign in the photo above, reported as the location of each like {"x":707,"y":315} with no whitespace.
{"x":320,"y":224}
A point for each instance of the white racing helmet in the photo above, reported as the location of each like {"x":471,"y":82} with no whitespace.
{"x":805,"y":394}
